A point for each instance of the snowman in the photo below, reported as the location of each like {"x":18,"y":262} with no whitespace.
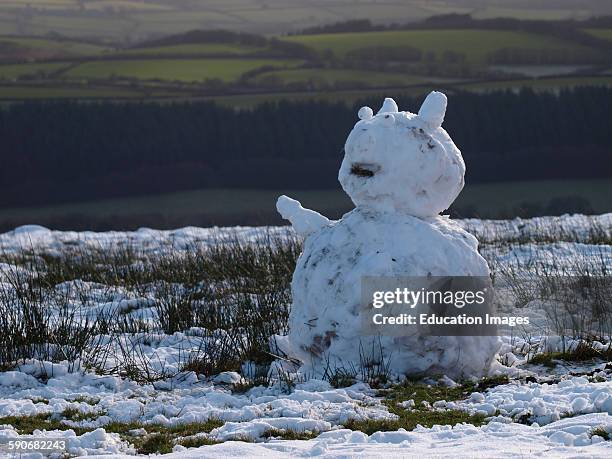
{"x":401,"y":170}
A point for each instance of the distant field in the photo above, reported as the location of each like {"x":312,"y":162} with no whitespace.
{"x":12,"y":71}
{"x":537,"y":12}
{"x":474,"y":44}
{"x":601,"y":33}
{"x":43,"y":48}
{"x":69,"y":68}
{"x":23,"y":92}
{"x":76,"y":26}
{"x":210,"y":49}
{"x":348,"y":96}
{"x":326,"y":77}
{"x":492,"y":198}
{"x":543,"y":84}
{"x":186,"y":70}
{"x":351,"y":96}
{"x":258,"y":206}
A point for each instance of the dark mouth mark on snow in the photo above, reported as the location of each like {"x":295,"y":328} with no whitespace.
{"x":364,"y":170}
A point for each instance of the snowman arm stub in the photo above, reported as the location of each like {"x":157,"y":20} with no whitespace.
{"x":304,"y":221}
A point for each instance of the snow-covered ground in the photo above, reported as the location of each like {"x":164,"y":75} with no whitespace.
{"x":562,"y":416}
{"x":577,"y":227}
{"x":564,"y":411}
{"x":494,"y":440}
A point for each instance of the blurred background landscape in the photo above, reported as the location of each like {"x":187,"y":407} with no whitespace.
{"x":117,"y":114}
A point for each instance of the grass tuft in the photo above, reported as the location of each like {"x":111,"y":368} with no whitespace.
{"x":159,"y":439}
{"x":600,"y":432}
{"x":422,"y":414}
{"x":289,"y":434}
{"x":584,"y":351}
{"x":26,"y":425}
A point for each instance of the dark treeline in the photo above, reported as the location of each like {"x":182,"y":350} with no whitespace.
{"x":465,"y":21}
{"x":206,"y":36}
{"x":63,"y":151}
{"x":270,"y":46}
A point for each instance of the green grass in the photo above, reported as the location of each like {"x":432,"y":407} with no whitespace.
{"x":327,"y":77}
{"x":14,"y":71}
{"x":423,"y":415}
{"x":475,"y":44}
{"x":583,"y":352}
{"x":160,"y":443}
{"x":208,"y":49}
{"x":409,"y":420}
{"x":26,"y":425}
{"x":196,"y":442}
{"x":289,"y":434}
{"x":185,"y":70}
{"x":159,"y":439}
{"x":601,"y":432}
{"x":180,"y":430}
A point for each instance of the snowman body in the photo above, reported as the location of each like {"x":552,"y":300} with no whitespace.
{"x":401,"y":170}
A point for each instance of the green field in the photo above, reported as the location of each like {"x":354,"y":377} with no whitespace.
{"x":246,"y":101}
{"x":317,"y":77}
{"x":23,"y":92}
{"x":348,"y":96}
{"x":543,"y":84}
{"x":13,"y":71}
{"x":208,"y":49}
{"x":37,"y":48}
{"x":476,"y":45}
{"x":240,"y":75}
{"x":490,"y":199}
{"x":537,"y":12}
{"x":185,"y":70}
{"x":352,"y":96}
{"x":606,"y":34}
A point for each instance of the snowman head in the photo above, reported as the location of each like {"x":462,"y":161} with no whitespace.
{"x":401,"y":162}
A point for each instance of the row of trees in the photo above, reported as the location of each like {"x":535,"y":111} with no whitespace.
{"x":64,"y":151}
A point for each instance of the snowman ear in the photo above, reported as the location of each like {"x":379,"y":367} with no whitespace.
{"x":365,"y":113}
{"x":433,"y":109}
{"x":388,"y":106}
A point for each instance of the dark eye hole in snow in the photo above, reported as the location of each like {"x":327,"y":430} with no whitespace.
{"x":364,"y":170}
